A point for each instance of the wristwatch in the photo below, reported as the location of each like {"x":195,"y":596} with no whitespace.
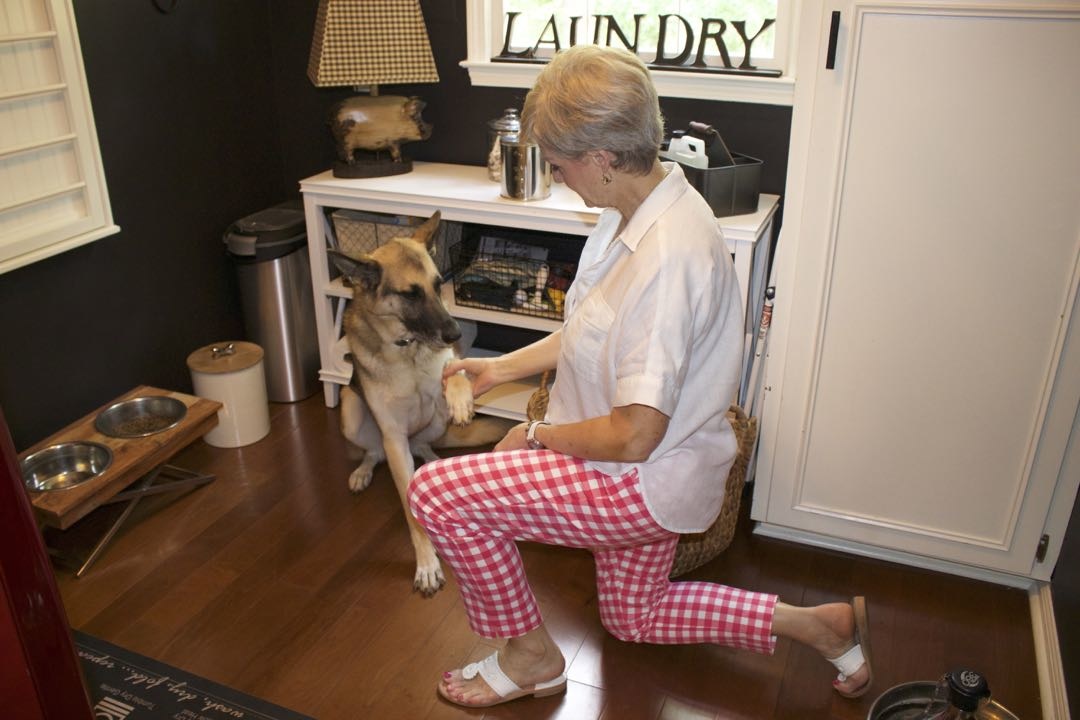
{"x":530,"y":436}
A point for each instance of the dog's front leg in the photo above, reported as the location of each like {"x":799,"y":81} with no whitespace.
{"x":359,"y":427}
{"x":429,"y":576}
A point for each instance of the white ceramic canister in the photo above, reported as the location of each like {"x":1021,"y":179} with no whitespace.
{"x":525,"y":174}
{"x":233,"y":374}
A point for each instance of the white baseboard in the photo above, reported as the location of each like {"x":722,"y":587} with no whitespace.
{"x":1055,"y":701}
{"x":903,"y":558}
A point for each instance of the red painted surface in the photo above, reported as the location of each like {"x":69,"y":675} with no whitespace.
{"x":40,"y":677}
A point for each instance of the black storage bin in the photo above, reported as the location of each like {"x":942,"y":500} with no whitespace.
{"x":731,"y":190}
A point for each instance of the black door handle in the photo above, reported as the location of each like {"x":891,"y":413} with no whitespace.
{"x":834,"y":30}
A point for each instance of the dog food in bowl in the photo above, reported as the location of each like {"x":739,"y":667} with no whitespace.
{"x":140,"y":416}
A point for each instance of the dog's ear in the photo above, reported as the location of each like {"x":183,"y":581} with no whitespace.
{"x":357,"y":272}
{"x":425,"y":234}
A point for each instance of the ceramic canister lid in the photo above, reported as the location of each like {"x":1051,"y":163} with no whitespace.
{"x":225,"y":357}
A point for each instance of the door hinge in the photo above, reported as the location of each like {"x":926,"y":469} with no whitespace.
{"x":1040,"y":552}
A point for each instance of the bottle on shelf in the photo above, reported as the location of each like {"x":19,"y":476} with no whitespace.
{"x":686,"y":149}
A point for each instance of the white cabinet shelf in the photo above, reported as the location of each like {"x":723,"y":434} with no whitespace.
{"x":495,"y":316}
{"x":465,"y":194}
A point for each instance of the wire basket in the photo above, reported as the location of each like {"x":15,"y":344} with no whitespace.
{"x":502,"y":275}
{"x":358,"y":233}
{"x":696,"y":549}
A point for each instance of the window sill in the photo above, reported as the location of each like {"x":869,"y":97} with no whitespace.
{"x":55,"y":248}
{"x":674,"y":84}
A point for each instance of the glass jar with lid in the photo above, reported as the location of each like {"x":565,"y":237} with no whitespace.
{"x":509,"y":125}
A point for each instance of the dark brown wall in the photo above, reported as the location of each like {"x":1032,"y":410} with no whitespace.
{"x":183,"y":108}
{"x":204,"y":115}
{"x":460,"y":111}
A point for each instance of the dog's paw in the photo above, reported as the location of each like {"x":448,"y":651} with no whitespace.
{"x":459,"y":399}
{"x":429,"y":580}
{"x":461,"y":414}
{"x":360,"y":479}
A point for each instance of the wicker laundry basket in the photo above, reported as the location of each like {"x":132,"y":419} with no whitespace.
{"x":695,"y":549}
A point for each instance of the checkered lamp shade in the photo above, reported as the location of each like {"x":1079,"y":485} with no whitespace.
{"x":370,"y":42}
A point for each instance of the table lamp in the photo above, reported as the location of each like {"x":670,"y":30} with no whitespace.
{"x":372,"y":43}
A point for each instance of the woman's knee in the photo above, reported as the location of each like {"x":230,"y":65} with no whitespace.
{"x":422,"y":492}
{"x":623,"y":628}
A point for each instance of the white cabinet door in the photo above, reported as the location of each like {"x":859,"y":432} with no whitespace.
{"x":922,"y":389}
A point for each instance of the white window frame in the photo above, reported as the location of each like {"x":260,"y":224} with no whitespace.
{"x":50,"y":236}
{"x":485,"y":24}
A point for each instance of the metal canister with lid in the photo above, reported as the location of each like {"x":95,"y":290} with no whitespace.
{"x":526,"y":175}
{"x":508,"y":125}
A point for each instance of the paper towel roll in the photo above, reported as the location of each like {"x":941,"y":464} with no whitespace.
{"x":233,"y":374}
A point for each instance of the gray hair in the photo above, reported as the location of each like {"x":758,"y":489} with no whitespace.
{"x":596,"y":98}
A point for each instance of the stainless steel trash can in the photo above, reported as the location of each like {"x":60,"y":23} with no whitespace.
{"x":269,"y":249}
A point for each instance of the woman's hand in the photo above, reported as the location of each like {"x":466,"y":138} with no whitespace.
{"x":480,"y":371}
{"x":486,"y":373}
{"x":514,"y":438}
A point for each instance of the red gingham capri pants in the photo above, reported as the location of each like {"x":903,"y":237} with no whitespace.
{"x":474,"y":508}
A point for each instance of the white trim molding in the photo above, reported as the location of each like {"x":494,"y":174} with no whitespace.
{"x":1055,"y":701}
{"x":804,"y":537}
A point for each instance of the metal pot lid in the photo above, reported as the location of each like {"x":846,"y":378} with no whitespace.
{"x":509,"y":122}
{"x":907,"y":701}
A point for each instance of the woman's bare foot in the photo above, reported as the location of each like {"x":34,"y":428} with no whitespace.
{"x":527,"y":660}
{"x":829,"y":629}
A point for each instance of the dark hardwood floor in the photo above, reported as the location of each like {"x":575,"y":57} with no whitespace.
{"x":278,"y":582}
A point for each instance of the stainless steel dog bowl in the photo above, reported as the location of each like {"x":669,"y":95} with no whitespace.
{"x":908,"y":700}
{"x":64,"y":465}
{"x":140,"y":416}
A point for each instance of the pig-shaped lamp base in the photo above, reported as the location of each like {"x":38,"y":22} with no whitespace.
{"x":369,"y":131}
{"x":366,"y":165}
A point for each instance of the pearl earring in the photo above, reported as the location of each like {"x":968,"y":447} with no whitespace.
{"x":605,"y":179}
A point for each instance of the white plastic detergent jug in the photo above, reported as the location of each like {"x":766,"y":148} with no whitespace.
{"x":688,"y":150}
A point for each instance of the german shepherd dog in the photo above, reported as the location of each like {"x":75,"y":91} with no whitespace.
{"x":400,"y":338}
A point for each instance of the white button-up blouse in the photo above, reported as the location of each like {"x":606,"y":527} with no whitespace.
{"x":654,"y":317}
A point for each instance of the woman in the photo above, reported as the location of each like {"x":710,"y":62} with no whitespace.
{"x":636,"y":444}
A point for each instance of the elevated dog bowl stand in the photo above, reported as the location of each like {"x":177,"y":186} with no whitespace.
{"x":139,"y":469}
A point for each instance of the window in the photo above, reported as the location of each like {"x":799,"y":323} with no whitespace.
{"x":52,"y":186}
{"x":772,"y":50}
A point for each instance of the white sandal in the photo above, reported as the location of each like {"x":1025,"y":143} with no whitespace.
{"x":501,"y":685}
{"x":859,"y":654}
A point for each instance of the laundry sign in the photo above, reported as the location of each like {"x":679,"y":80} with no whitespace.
{"x":679,"y":43}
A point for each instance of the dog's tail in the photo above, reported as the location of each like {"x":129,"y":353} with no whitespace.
{"x":482,"y":430}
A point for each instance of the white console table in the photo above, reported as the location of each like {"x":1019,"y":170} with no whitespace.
{"x":464,"y":194}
